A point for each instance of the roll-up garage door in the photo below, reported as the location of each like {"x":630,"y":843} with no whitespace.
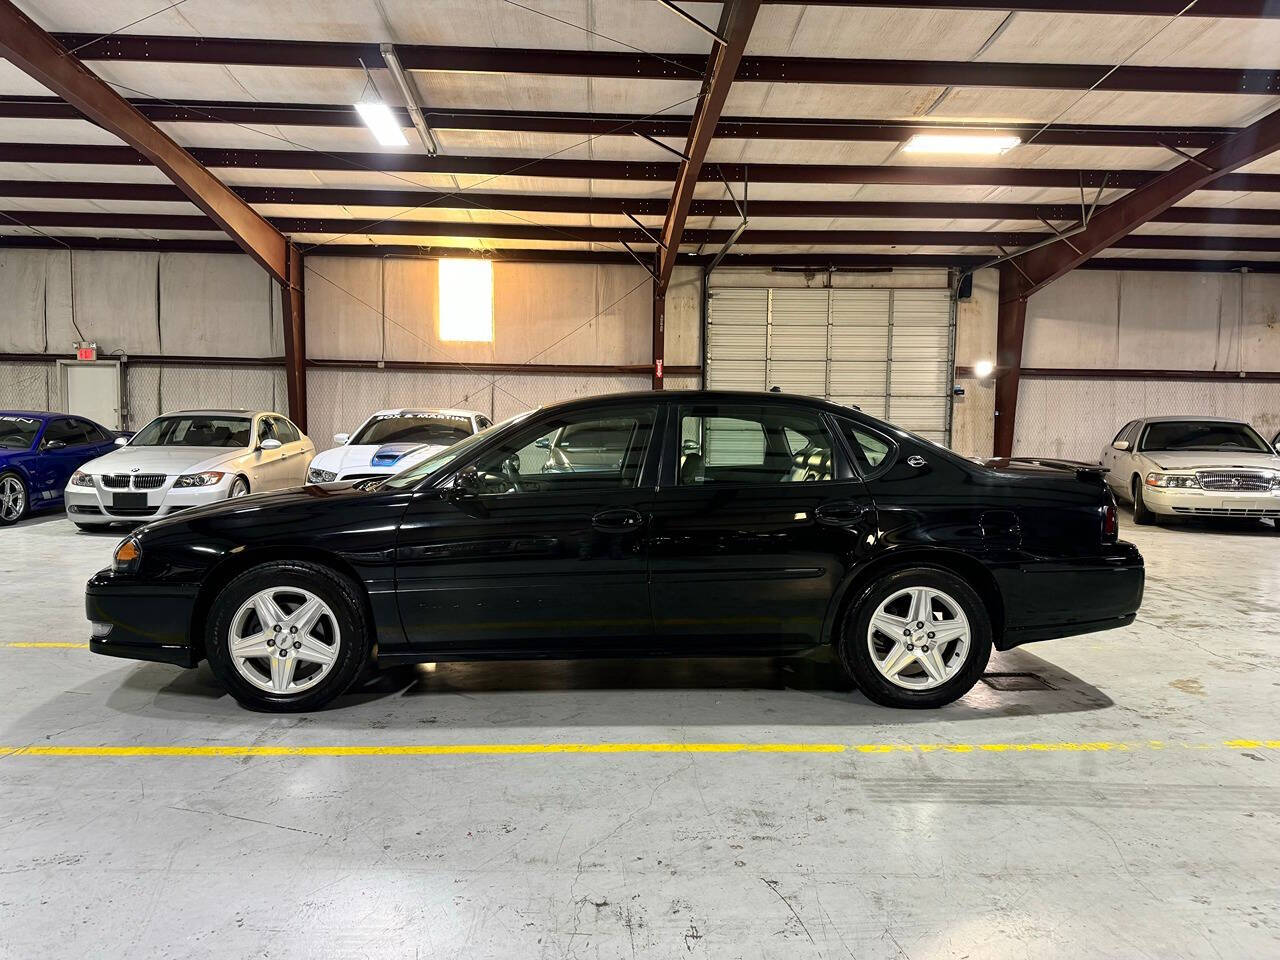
{"x":886,"y":351}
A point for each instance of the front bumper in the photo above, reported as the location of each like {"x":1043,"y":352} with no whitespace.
{"x":1048,"y":599}
{"x":142,"y":621}
{"x":96,"y":504}
{"x":1184,"y":502}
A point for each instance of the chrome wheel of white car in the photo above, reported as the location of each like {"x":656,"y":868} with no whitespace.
{"x":919,"y":638}
{"x":284,"y":640}
{"x":13,"y":499}
{"x":239,"y":488}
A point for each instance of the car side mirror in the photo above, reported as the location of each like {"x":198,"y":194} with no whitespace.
{"x":54,"y":445}
{"x":467,"y":483}
{"x":270,"y":444}
{"x":1120,"y":445}
{"x":121,"y":441}
{"x":689,"y":446}
{"x":543,"y":443}
{"x":340,"y":439}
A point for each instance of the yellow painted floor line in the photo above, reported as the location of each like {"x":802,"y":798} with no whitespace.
{"x":44,"y":644}
{"x":507,"y":749}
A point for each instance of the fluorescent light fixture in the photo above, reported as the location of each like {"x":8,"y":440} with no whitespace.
{"x":983,"y":369}
{"x":986,"y":145}
{"x":466,"y":300}
{"x":386,"y":128}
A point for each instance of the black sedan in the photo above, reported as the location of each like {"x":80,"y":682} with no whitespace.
{"x":649,"y":524}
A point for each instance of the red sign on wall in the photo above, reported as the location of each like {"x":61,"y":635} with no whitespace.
{"x":657,"y":368}
{"x":87,"y":351}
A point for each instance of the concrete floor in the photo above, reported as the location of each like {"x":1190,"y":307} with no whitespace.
{"x":1163,"y":841}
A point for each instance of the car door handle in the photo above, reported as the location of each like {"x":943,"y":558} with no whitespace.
{"x":841,"y":513}
{"x":617,"y":521}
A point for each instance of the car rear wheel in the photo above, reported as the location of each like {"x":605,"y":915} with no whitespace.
{"x":916,"y":638}
{"x":1141,"y":514}
{"x":13,"y":498}
{"x":287,"y":636}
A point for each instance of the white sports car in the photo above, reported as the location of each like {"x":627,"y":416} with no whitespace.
{"x":188,"y":459}
{"x":392,"y":440}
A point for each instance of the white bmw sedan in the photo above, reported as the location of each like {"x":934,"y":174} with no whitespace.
{"x":1193,"y":467}
{"x":187,"y":459}
{"x":393,"y":440}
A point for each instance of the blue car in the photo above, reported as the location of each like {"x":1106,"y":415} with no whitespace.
{"x":38,"y":454}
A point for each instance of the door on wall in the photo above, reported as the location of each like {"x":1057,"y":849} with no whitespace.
{"x":887,"y":351}
{"x":93,"y":390}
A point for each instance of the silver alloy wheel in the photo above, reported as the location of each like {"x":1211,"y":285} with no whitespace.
{"x":13,"y":499}
{"x":919,"y":638}
{"x":284,"y":640}
{"x":238,"y":489}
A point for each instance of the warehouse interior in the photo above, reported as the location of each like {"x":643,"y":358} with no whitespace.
{"x":1009,"y":228}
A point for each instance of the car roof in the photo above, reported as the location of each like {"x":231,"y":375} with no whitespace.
{"x":427,"y":412}
{"x":1195,"y":417}
{"x":34,"y":414}
{"x":221,"y":412}
{"x":705,"y":396}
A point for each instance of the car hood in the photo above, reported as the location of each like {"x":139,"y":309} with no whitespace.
{"x":1211,"y":460}
{"x":275,"y":504}
{"x":397,"y":456}
{"x":168,"y":460}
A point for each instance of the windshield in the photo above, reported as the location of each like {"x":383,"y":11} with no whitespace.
{"x":413,"y":428}
{"x":1202,"y":435}
{"x":194,"y":430}
{"x":410,"y":477}
{"x":17,"y":433}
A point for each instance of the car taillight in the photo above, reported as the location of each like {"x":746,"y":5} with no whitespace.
{"x":1110,"y":522}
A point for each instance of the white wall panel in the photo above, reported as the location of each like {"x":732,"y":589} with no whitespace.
{"x":23,"y":278}
{"x":344,"y":308}
{"x":116,"y":301}
{"x":215,"y":306}
{"x":523,"y":391}
{"x":1075,"y":419}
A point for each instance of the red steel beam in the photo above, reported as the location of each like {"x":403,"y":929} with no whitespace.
{"x":658,"y":172}
{"x":736,"y":20}
{"x":637,"y":206}
{"x":1243,"y":9}
{"x":635,"y":66}
{"x":589,"y":124}
{"x":1031,"y":271}
{"x":295,"y":338}
{"x":37,"y":54}
{"x":406,"y":227}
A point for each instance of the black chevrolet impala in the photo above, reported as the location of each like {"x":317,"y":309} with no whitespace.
{"x":649,"y":524}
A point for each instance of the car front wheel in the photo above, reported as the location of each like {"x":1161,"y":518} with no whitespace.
{"x":287,"y":636}
{"x":1142,"y":515}
{"x":916,"y":638}
{"x":13,"y":498}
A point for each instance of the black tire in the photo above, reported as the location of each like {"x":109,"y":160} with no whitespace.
{"x":239,"y":488}
{"x":1141,"y":515}
{"x":344,"y":600}
{"x":855,"y":654}
{"x":7,"y":479}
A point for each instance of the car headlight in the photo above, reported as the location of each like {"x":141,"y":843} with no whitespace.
{"x":81,"y":479}
{"x":1171,"y":480}
{"x":315,"y":475}
{"x":199,"y":479}
{"x":128,"y":556}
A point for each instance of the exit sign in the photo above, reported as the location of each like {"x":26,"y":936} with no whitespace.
{"x":87,"y":351}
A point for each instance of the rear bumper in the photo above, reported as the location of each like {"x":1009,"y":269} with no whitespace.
{"x":141,"y":621}
{"x":1048,"y":599}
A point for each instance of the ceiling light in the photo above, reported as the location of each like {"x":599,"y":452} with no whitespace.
{"x":983,"y":369}
{"x":991,"y":146}
{"x":386,"y":128}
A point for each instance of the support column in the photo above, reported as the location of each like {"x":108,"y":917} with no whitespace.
{"x":294,"y":319}
{"x":659,"y":334}
{"x":1011,"y":325}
